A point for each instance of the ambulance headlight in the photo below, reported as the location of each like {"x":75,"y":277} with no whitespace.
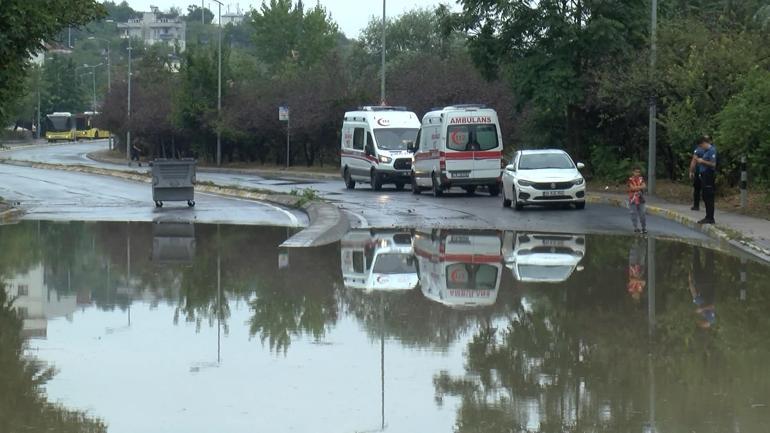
{"x":385,"y":159}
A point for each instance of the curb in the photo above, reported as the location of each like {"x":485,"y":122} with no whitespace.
{"x":713,"y":231}
{"x":258,"y":172}
{"x":327,"y":223}
{"x":10,"y":216}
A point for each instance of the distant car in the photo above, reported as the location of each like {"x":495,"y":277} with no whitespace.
{"x":543,"y":177}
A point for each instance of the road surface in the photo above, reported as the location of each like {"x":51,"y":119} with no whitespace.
{"x":391,"y":208}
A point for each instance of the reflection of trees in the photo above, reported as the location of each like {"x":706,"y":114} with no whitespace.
{"x":299,"y":301}
{"x":578,"y":357}
{"x":23,"y":404}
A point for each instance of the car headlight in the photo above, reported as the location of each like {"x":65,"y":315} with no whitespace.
{"x":578,"y":181}
{"x":385,"y":159}
{"x":525,"y":183}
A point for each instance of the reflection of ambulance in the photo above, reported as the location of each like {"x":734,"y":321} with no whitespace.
{"x":458,"y":146}
{"x":374,"y":146}
{"x":378,"y":261}
{"x":543,"y":257}
{"x":459,"y":268}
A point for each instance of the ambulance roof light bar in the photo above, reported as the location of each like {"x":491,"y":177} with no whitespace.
{"x":463,"y":106}
{"x":381,"y":108}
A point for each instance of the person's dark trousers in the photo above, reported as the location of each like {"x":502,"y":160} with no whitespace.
{"x":696,"y":191}
{"x":708,"y":179}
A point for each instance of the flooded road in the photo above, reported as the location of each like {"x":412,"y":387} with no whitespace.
{"x":175,"y":327}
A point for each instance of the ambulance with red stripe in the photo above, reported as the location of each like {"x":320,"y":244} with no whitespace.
{"x":378,"y":260}
{"x":374,"y":146}
{"x":459,"y":269}
{"x":458,"y":146}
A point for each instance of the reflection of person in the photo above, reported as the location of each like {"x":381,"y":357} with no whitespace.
{"x":706,"y":166}
{"x":637,"y":269}
{"x":636,"y":187}
{"x":701,"y":282}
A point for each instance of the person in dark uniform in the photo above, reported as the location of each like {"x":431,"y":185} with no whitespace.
{"x":706,"y":165}
{"x":695,"y":174}
{"x":702,"y":288}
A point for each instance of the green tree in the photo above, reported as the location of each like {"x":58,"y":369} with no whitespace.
{"x":194,"y":14}
{"x":64,"y":87}
{"x":25,"y":26}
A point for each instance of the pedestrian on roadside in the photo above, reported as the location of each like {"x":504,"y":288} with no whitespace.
{"x":636,"y":201}
{"x":706,"y":165}
{"x":695,"y":174}
{"x":135,"y":152}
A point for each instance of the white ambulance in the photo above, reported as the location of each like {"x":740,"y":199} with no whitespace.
{"x":374,"y":146}
{"x":459,"y":146}
{"x":543,"y":257}
{"x":459,"y":269}
{"x":378,"y":260}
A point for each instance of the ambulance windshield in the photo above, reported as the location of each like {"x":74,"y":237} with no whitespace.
{"x":394,"y":138}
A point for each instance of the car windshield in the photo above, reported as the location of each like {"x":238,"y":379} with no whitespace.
{"x":472,"y":137}
{"x":470,"y":276}
{"x":538,"y":161}
{"x":393,"y":263}
{"x":394,"y":138}
{"x":58,"y":123}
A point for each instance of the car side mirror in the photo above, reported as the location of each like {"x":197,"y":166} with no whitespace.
{"x":411,"y":146}
{"x":580,"y":166}
{"x":510,"y":167}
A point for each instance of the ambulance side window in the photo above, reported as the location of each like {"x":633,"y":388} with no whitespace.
{"x":358,"y":139}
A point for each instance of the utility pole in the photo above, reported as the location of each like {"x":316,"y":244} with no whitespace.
{"x":202,"y":14}
{"x":39,"y":82}
{"x":219,"y":88}
{"x":128,"y":130}
{"x":93,"y":75}
{"x":109,"y":64}
{"x":653,"y":139}
{"x":382,"y":82}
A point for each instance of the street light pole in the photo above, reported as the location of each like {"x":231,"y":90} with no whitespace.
{"x":219,"y":87}
{"x":382,"y":80}
{"x":109,"y":67}
{"x":93,"y":75}
{"x":128,"y":129}
{"x":652,"y":139}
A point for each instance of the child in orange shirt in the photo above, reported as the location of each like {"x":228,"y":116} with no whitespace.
{"x":636,"y":187}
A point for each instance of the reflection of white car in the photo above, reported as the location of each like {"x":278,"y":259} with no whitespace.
{"x":459,"y":269}
{"x":543,"y":177}
{"x":543,"y":257}
{"x":378,"y":261}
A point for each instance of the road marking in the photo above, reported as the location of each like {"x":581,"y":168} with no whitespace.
{"x":293,"y":218}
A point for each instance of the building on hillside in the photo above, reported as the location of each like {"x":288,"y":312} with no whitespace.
{"x":234,"y":18}
{"x":155,"y":27}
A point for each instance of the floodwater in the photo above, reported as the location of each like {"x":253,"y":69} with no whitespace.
{"x":174,"y":327}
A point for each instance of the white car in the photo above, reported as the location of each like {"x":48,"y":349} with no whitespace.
{"x":543,"y":177}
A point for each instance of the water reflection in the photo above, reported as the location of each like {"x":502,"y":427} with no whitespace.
{"x":543,"y":257}
{"x":395,"y":330}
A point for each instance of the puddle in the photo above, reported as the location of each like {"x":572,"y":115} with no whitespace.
{"x":177,"y":327}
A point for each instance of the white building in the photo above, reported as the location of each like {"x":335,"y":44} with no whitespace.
{"x":35,"y":303}
{"x":156,"y":28}
{"x":232,"y":18}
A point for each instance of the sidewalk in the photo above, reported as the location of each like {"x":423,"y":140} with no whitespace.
{"x":294,"y":172}
{"x":749,"y":234}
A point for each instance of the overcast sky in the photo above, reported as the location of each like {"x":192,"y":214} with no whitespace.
{"x":351,"y":15}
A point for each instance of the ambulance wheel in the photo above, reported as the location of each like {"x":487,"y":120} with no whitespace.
{"x":471,"y":189}
{"x":375,"y":181}
{"x":349,"y":182}
{"x":494,"y":190}
{"x":415,"y":188}
{"x":400,"y":186}
{"x":438,"y":191}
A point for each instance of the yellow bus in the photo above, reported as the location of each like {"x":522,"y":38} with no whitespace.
{"x":85,"y":129}
{"x":59,"y":126}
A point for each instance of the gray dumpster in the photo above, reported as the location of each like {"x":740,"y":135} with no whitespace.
{"x":173,"y":180}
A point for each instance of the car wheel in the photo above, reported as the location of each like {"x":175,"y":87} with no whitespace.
{"x":349,"y":182}
{"x":375,"y":181}
{"x":471,"y":189}
{"x":400,"y":186}
{"x":415,"y":188}
{"x":580,"y":205}
{"x":506,"y":202}
{"x":494,"y":190}
{"x":517,"y":204}
{"x":438,"y":191}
